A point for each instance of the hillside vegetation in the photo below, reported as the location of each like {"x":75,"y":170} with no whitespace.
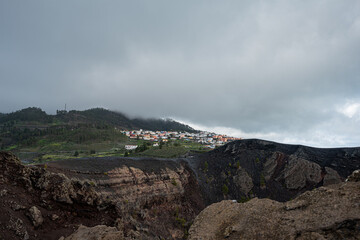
{"x":31,"y":133}
{"x":35,"y":117}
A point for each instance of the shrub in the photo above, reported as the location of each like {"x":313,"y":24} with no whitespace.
{"x":173,"y":182}
{"x":176,"y":212}
{"x":206,"y":166}
{"x":181,"y":221}
{"x":243,"y":199}
{"x":262,"y":180}
{"x":225,"y":189}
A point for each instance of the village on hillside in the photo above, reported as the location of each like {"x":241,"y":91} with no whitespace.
{"x":209,"y":140}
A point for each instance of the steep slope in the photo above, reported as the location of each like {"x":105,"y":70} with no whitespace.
{"x":37,"y":204}
{"x":160,"y":197}
{"x":138,"y":199}
{"x":331,"y":212}
{"x":151,"y":198}
{"x":248,"y":168}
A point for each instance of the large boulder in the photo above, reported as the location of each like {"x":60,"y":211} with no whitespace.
{"x":299,"y":171}
{"x":331,"y":177}
{"x":331,"y":212}
{"x":354,"y":177}
{"x":35,"y":216}
{"x":243,"y":181}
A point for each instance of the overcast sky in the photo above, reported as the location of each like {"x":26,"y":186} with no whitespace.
{"x":287,"y":71}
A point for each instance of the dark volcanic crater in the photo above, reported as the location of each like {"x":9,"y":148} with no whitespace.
{"x":253,"y":167}
{"x":154,"y":189}
{"x":148,"y":198}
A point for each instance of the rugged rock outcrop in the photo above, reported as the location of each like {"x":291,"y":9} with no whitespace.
{"x":143,"y":199}
{"x":54,"y":185}
{"x":243,"y":181}
{"x":266,"y":169}
{"x":159,"y":198}
{"x":38,"y":204}
{"x":354,"y":177}
{"x":331,"y":212}
{"x":35,"y":216}
{"x":153,"y":198}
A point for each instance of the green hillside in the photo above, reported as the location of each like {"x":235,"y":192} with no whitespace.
{"x":35,"y":117}
{"x":96,"y":116}
{"x":94,"y":132}
{"x":31,"y":114}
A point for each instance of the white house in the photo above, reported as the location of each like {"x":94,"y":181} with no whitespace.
{"x":130,"y":147}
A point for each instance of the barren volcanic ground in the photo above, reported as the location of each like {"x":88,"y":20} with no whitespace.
{"x":143,"y":198}
{"x":160,"y":196}
{"x":256,"y":168}
{"x":147,"y":198}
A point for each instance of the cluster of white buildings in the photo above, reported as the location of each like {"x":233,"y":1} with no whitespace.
{"x":211,"y":140}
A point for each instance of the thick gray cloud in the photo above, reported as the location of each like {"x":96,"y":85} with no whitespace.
{"x":282,"y":70}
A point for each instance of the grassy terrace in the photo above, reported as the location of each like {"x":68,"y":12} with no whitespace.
{"x":65,"y":143}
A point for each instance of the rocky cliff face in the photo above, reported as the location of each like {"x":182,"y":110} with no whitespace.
{"x":38,"y":204}
{"x":155,"y":198}
{"x":139,"y":199}
{"x":255,"y":168}
{"x":331,"y":212}
{"x":124,"y":198}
